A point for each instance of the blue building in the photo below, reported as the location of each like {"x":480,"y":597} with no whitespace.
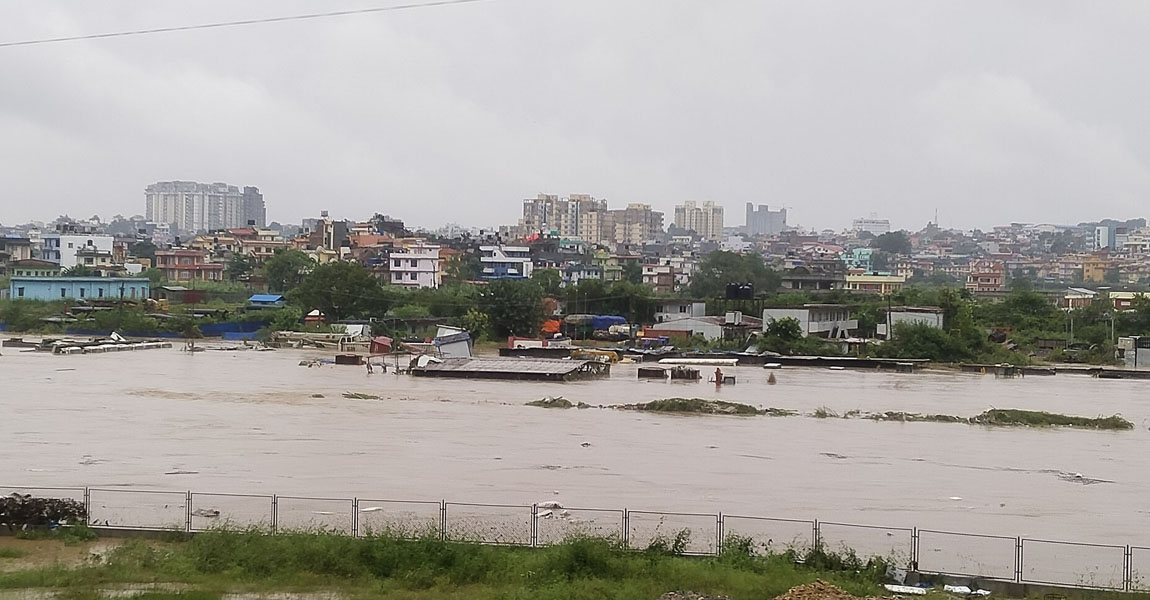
{"x":505,"y":262}
{"x":77,"y":288}
{"x":261,"y":301}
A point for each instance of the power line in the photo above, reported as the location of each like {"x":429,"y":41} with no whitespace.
{"x":323,"y":15}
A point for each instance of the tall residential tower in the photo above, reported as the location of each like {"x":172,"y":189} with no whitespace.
{"x":194,"y":207}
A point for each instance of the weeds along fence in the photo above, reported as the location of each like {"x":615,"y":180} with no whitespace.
{"x":991,"y":557}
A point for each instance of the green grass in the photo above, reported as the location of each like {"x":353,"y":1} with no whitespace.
{"x":12,"y":553}
{"x":1035,"y":418}
{"x":698,"y":406}
{"x":579,"y":568}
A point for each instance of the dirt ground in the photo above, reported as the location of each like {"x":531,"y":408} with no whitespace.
{"x":17,"y":554}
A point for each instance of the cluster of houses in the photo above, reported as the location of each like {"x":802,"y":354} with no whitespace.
{"x":582,"y":239}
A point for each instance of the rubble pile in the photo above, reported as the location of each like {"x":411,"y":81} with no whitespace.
{"x":22,"y":511}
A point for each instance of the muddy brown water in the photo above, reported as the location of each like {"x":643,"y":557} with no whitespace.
{"x":247,"y":422}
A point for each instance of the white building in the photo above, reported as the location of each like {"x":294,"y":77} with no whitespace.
{"x":910,"y":315}
{"x":416,"y":266}
{"x":733,"y":326}
{"x":192,"y":207}
{"x":822,"y":320}
{"x":705,"y":220}
{"x":61,"y":248}
{"x":505,"y":262}
{"x":871,"y":225}
{"x":668,"y":310}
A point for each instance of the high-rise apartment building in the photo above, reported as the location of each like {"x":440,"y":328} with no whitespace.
{"x":871,"y":225}
{"x":634,"y":225}
{"x":194,"y":207}
{"x":705,"y":220}
{"x":764,"y":221}
{"x":255,"y":214}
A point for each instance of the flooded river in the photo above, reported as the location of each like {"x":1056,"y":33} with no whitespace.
{"x":250,"y":422}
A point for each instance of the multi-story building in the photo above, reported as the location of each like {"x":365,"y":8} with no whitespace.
{"x":821,"y":320}
{"x":15,"y":247}
{"x":416,"y":265}
{"x":764,"y":221}
{"x":875,"y":283}
{"x":871,"y":225}
{"x":706,"y":220}
{"x":986,"y":276}
{"x":661,"y":278}
{"x":1095,"y":268}
{"x":193,"y":207}
{"x":634,"y":225}
{"x":182,"y":264}
{"x":61,"y":248}
{"x":31,"y":267}
{"x":505,"y":262}
{"x":255,"y":213}
{"x":548,"y":213}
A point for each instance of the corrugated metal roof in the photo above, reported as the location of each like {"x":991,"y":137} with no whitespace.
{"x":266,"y":298}
{"x":507,"y":365}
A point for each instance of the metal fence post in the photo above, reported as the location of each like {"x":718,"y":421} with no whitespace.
{"x":817,"y":542}
{"x":719,"y":534}
{"x":626,"y":529}
{"x":534,"y":525}
{"x":88,"y":504}
{"x":443,"y":520}
{"x":914,"y":549}
{"x":355,"y":517}
{"x":1128,"y":559}
{"x":1018,"y":560}
{"x":275,"y":512}
{"x":188,"y":512}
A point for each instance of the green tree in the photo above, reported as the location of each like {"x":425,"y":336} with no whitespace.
{"x":549,"y":280}
{"x":287,"y":269}
{"x":719,"y":268}
{"x":154,"y":275}
{"x":410,"y":311}
{"x":477,"y":323}
{"x":515,"y":307}
{"x":462,"y":268}
{"x":143,"y":249}
{"x":241,"y":267}
{"x":79,"y":271}
{"x":919,"y":340}
{"x":338,"y":289}
{"x":893,"y":242}
{"x":633,"y":272}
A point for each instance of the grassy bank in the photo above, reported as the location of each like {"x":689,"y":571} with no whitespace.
{"x":215,"y":562}
{"x":996,"y":417}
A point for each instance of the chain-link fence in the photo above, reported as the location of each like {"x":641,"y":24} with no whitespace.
{"x":1004,"y":558}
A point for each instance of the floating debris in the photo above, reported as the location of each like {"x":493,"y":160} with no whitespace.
{"x":1080,"y":478}
{"x":551,"y":402}
{"x":359,"y":396}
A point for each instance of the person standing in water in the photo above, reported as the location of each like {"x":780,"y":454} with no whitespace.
{"x":718,"y":376}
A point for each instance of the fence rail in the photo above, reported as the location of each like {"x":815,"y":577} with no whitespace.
{"x":991,"y":557}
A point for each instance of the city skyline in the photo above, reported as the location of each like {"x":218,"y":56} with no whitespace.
{"x":833,"y":114}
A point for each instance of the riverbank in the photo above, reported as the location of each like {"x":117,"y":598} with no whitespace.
{"x":212,"y":564}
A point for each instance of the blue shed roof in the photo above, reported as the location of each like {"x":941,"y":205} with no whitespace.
{"x":266,"y":298}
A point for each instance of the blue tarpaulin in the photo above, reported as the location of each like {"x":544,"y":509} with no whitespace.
{"x":604,"y":322}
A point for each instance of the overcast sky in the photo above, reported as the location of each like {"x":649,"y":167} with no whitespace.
{"x":988,"y":112}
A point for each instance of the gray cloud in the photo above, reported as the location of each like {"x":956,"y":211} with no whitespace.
{"x":985,"y":111}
